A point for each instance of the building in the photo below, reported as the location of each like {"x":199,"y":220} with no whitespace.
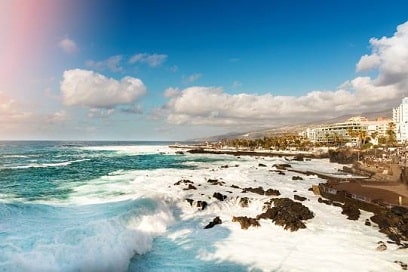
{"x":400,"y":119}
{"x":349,"y":131}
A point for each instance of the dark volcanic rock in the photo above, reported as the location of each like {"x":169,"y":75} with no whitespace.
{"x":185,"y":181}
{"x":352,"y":212}
{"x":219,"y":196}
{"x":235,"y":186}
{"x":216,"y":221}
{"x":297,"y":178}
{"x":345,"y":156}
{"x":367,"y":222}
{"x":245,"y":221}
{"x":393,"y":225}
{"x":261,"y":165}
{"x":190,"y":187}
{"x":287,"y":213}
{"x":259,"y":190}
{"x":404,"y":266}
{"x":326,"y":201}
{"x":199,"y":204}
{"x":215,"y":182}
{"x":298,"y":157}
{"x":282,"y":166}
{"x":299,"y":198}
{"x":272,"y":192}
{"x":244,"y":202}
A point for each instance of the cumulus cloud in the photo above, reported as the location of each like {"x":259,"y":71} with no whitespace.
{"x":68,"y":45}
{"x":213,"y":106}
{"x":390,"y":57}
{"x":153,"y":60}
{"x":112,"y":64}
{"x":93,"y":90}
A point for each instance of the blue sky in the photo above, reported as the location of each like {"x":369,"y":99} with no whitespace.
{"x":174,"y":70}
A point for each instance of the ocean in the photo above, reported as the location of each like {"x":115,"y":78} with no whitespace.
{"x":119,"y":206}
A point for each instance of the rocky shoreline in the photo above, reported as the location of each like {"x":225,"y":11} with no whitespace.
{"x":348,"y":193}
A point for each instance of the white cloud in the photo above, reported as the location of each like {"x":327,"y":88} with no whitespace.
{"x":90,"y":89}
{"x":191,"y":78}
{"x":213,"y":106}
{"x":112,"y":63}
{"x":153,"y":60}
{"x":100,"y":113}
{"x":390,"y":57}
{"x":68,"y":45}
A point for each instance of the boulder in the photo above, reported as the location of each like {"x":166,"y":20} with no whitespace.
{"x":272,"y":192}
{"x":246,"y":222}
{"x":185,"y":181}
{"x":215,"y":182}
{"x":219,"y":196}
{"x":261,"y":165}
{"x":216,"y":221}
{"x":297,"y":178}
{"x":299,"y":198}
{"x":190,"y":187}
{"x":287,"y":213}
{"x":199,"y":204}
{"x":352,"y":212}
{"x":381,"y":246}
{"x":244,"y":202}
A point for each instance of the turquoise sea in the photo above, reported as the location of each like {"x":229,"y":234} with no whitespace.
{"x":116,"y":206}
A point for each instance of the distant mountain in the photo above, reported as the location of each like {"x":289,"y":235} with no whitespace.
{"x":295,"y":128}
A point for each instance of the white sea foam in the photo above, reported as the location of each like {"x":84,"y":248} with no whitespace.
{"x":44,"y":165}
{"x":330,"y":242}
{"x":132,"y":149}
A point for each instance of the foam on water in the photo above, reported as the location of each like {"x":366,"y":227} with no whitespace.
{"x":138,"y":220}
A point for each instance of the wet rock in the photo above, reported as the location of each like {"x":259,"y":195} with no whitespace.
{"x":393,"y":225}
{"x":297,"y":178}
{"x":282,"y":166}
{"x":299,"y":198}
{"x":352,"y":212}
{"x":259,"y":190}
{"x":235,"y":186}
{"x":246,"y":222}
{"x":287,"y":213}
{"x":261,"y":165}
{"x":215,"y":182}
{"x":180,"y":152}
{"x":190,"y":187}
{"x":298,"y":157}
{"x":224,"y":166}
{"x":216,"y":221}
{"x":337,"y":204}
{"x":201,"y":205}
{"x":325,"y":201}
{"x":381,"y":246}
{"x":244,"y":202}
{"x":367,"y":222}
{"x":219,"y":196}
{"x":404,"y":266}
{"x":272,"y":192}
{"x":185,"y":181}
{"x":281,"y":173}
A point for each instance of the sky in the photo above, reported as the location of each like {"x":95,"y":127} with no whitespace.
{"x":179,"y":70}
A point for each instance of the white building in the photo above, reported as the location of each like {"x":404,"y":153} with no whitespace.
{"x":400,"y":118}
{"x":348,"y":130}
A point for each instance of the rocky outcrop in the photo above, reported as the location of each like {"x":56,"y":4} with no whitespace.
{"x":299,"y":198}
{"x":215,"y":182}
{"x":344,"y":156}
{"x":297,"y":178}
{"x":282,"y":166}
{"x":185,"y":181}
{"x":260,"y":191}
{"x":393,"y":223}
{"x":219,"y":196}
{"x":216,"y":221}
{"x":287,"y":213}
{"x":200,"y":204}
{"x":244,"y":202}
{"x":352,"y":212}
{"x":245,"y":221}
{"x":190,"y":187}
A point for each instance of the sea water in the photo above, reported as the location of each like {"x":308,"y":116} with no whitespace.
{"x":114,"y":206}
